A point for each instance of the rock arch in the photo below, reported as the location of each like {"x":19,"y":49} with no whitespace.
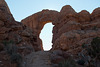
{"x":37,"y":21}
{"x":68,"y":26}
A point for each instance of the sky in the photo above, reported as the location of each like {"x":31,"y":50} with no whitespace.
{"x":24,"y":8}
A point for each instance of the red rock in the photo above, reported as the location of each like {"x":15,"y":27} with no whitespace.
{"x":70,"y":28}
{"x":70,"y":31}
{"x":13,"y":30}
{"x":4,"y":6}
{"x":1,"y":23}
{"x":84,"y":16}
{"x":96,"y":13}
{"x":67,"y":9}
{"x":5,"y":14}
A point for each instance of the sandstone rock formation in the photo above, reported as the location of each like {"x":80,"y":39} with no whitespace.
{"x":3,"y":6}
{"x":71,"y":29}
{"x":11,"y":30}
{"x":38,"y":20}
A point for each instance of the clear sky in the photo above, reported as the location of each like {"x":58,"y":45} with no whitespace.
{"x":23,"y":8}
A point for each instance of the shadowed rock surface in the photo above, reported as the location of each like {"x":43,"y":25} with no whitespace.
{"x":38,"y":59}
{"x":11,"y":30}
{"x":70,"y":31}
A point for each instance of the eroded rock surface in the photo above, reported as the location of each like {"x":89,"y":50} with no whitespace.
{"x":71,"y":29}
{"x":11,"y":30}
{"x":38,"y":59}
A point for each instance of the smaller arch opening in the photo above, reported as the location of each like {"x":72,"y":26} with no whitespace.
{"x":46,"y":36}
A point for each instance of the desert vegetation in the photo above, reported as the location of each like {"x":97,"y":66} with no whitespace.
{"x":11,"y":49}
{"x":90,"y":55}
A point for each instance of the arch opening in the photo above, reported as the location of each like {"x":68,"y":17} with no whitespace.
{"x":46,"y":36}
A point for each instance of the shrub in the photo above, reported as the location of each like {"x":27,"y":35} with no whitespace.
{"x":67,"y":63}
{"x":12,"y":49}
{"x":91,"y":53}
{"x":1,"y":47}
{"x":84,"y":45}
{"x":16,"y":58}
{"x":95,"y":47}
{"x":95,"y":28}
{"x":81,"y":62}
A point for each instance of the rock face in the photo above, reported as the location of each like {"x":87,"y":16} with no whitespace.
{"x":45,"y":59}
{"x":3,"y":6}
{"x":71,"y":29}
{"x":38,"y":59}
{"x":11,"y":30}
